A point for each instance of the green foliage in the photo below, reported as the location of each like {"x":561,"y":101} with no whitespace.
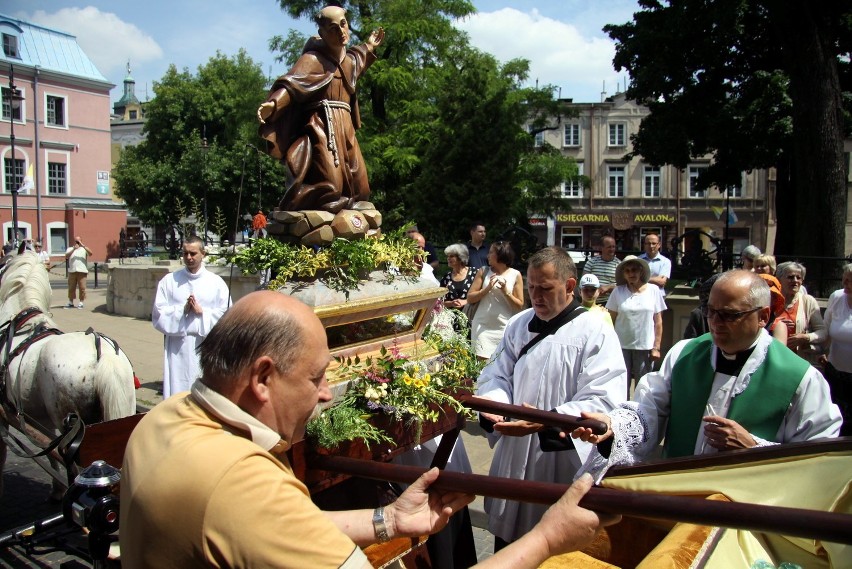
{"x":218,"y":103}
{"x":341,"y":266}
{"x":408,"y":389}
{"x":756,"y":84}
{"x":443,"y":131}
{"x":344,"y":422}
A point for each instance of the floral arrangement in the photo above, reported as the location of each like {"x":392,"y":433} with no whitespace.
{"x":401,"y":386}
{"x":340,"y":265}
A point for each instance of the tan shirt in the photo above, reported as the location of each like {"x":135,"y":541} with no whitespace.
{"x":204,"y":484}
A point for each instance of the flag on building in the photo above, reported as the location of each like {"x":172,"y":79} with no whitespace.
{"x":29,"y":180}
{"x":732,"y":217}
{"x":718,"y":211}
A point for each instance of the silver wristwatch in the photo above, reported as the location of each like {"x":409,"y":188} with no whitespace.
{"x":379,"y":525}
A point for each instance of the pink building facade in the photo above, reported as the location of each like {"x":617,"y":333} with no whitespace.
{"x":61,"y":131}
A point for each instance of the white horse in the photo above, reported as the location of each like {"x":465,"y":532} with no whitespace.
{"x":49,"y":374}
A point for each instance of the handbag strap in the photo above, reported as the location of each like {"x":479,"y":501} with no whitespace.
{"x":570,"y":313}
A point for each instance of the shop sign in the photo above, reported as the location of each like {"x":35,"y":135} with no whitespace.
{"x":653,"y":218}
{"x":582,"y":217}
{"x":538,"y":221}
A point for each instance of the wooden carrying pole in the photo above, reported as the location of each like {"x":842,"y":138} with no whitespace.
{"x":795,"y":522}
{"x":550,"y":418}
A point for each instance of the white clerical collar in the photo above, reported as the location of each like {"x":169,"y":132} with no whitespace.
{"x":749,"y":349}
{"x":227,"y":411}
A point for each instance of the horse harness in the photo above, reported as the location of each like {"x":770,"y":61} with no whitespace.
{"x":73,"y":428}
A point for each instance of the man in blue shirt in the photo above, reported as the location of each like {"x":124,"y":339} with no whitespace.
{"x":661,"y":267}
{"x":477,"y":247}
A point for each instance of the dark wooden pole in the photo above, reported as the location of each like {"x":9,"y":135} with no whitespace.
{"x":549,"y":418}
{"x":796,"y":522}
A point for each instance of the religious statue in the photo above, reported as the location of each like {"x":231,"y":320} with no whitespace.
{"x":310,"y":117}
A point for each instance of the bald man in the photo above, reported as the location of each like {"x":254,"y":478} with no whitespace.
{"x":731,"y":388}
{"x":206,"y":481}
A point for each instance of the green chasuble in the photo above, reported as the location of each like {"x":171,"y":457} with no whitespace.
{"x":760,"y":408}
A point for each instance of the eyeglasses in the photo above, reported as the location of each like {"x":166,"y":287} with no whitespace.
{"x":724,"y":315}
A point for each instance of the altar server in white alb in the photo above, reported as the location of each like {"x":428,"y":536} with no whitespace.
{"x":188,"y":303}
{"x":555,"y":356}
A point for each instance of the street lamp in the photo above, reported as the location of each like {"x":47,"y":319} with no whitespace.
{"x":205,"y":149}
{"x":15,"y":99}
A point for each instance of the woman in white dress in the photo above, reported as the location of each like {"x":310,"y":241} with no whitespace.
{"x":498,"y":290}
{"x":637,"y":309}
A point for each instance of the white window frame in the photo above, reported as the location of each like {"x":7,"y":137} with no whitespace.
{"x":8,"y":156}
{"x":694,"y":171}
{"x":24,"y":228}
{"x":63,"y":156}
{"x":617,"y":134}
{"x":736,"y":191}
{"x":616,"y":179}
{"x":539,"y":139}
{"x":22,"y":110}
{"x":574,"y":138}
{"x":48,"y":244}
{"x":47,"y":97}
{"x":570,"y":231}
{"x":50,"y":179}
{"x":654,"y":175}
{"x":573,"y":188}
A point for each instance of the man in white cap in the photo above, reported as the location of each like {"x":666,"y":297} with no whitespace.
{"x":590,"y":290}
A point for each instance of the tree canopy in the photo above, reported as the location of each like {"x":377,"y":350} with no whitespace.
{"x":443,"y":133}
{"x":171,"y":172}
{"x":757,"y":84}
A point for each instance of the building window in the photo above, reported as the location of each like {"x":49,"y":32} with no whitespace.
{"x":651,"y":182}
{"x":574,"y":188}
{"x":55,"y":110}
{"x":57,"y":235}
{"x":539,"y":139}
{"x":571,"y":135}
{"x":12,"y":179}
{"x":694,"y":172}
{"x":10,"y":46}
{"x":736,"y":191}
{"x":56,"y":180}
{"x":615,"y":177}
{"x":618,"y":134}
{"x":572,"y":238}
{"x":132,"y":115}
{"x":8,"y":111}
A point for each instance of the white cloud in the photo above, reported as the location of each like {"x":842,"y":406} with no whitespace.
{"x":558,"y":52}
{"x":108,"y":40}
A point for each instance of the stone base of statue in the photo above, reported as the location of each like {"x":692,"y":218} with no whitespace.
{"x":319,"y":228}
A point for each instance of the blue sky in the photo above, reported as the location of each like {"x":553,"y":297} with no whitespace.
{"x":561,"y":38}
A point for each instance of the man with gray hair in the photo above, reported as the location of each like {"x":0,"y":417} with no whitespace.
{"x":748,"y":255}
{"x":206,"y":480}
{"x":731,"y":388}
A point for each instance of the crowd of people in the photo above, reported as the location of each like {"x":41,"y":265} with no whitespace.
{"x":257,"y":370}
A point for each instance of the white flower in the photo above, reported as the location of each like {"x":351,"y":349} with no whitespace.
{"x":372,"y":394}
